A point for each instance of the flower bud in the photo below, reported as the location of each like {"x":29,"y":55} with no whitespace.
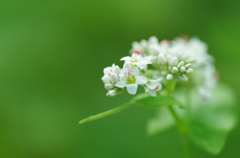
{"x":116,"y":70}
{"x":183,"y":77}
{"x":114,"y":77}
{"x":188,"y":65}
{"x":111,"y":93}
{"x":180,"y":64}
{"x":188,"y":71}
{"x":109,"y":86}
{"x":182,"y":69}
{"x":162,"y":59}
{"x":174,"y":61}
{"x":191,"y":70}
{"x":144,"y":43}
{"x":169,"y":59}
{"x":174,"y":70}
{"x":169,"y":77}
{"x":106,"y":79}
{"x":153,"y":40}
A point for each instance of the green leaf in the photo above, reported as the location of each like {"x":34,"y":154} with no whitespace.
{"x":154,"y":102}
{"x":212,"y":121}
{"x":141,"y":99}
{"x":162,"y":123}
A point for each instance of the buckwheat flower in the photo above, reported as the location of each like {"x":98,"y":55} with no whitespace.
{"x":137,"y":60}
{"x":110,"y":78}
{"x":130,"y":79}
{"x":152,"y":86}
{"x":114,"y":69}
{"x":111,"y":93}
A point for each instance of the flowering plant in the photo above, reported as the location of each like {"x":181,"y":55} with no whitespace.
{"x":181,"y":82}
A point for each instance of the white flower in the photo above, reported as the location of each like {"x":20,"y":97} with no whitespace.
{"x":110,"y":77}
{"x":130,"y":79}
{"x":152,"y":86}
{"x":138,"y":60}
{"x":109,"y":70}
{"x":111,"y":93}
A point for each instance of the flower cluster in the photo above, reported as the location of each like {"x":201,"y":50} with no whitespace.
{"x":153,"y":63}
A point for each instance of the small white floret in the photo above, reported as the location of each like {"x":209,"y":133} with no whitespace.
{"x":182,"y":69}
{"x":183,"y":77}
{"x":180,"y":64}
{"x":174,"y":70}
{"x":174,"y":61}
{"x":169,"y":77}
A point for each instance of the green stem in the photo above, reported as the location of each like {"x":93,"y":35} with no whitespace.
{"x":109,"y":112}
{"x":176,"y":118}
{"x":183,"y":128}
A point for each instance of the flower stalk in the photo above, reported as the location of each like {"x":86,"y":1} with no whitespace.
{"x":183,"y":127}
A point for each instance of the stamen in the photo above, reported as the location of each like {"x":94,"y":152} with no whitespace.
{"x":165,"y":42}
{"x":138,"y":51}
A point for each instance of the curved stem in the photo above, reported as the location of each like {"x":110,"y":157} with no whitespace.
{"x":183,"y":128}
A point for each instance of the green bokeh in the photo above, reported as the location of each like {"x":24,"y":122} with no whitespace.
{"x":51,"y":58}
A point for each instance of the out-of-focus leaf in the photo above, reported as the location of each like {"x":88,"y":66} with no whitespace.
{"x":212,"y":121}
{"x":162,"y":123}
{"x":154,"y":102}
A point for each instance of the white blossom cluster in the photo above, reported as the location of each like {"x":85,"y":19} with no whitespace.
{"x":152,"y":63}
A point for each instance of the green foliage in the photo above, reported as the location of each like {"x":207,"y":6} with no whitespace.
{"x":210,"y":121}
{"x":142,"y":100}
{"x":162,"y":123}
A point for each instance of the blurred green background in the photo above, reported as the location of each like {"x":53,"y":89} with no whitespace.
{"x":52,"y":53}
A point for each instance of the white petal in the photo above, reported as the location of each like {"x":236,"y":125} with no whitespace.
{"x":109,"y":86}
{"x":174,"y":61}
{"x":169,"y":59}
{"x":122,"y":77}
{"x":106,"y":79}
{"x":141,"y":65}
{"x":121,"y":84}
{"x":162,"y":59}
{"x":107,"y":70}
{"x":152,"y":93}
{"x":141,"y":80}
{"x":123,"y":71}
{"x":132,"y":88}
{"x":127,"y":65}
{"x":159,"y":87}
{"x":126,"y":58}
{"x":146,"y":88}
{"x":180,"y":64}
{"x":188,"y":65}
{"x":135,"y":71}
{"x":116,"y":70}
{"x":152,"y":84}
{"x":114,"y":77}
